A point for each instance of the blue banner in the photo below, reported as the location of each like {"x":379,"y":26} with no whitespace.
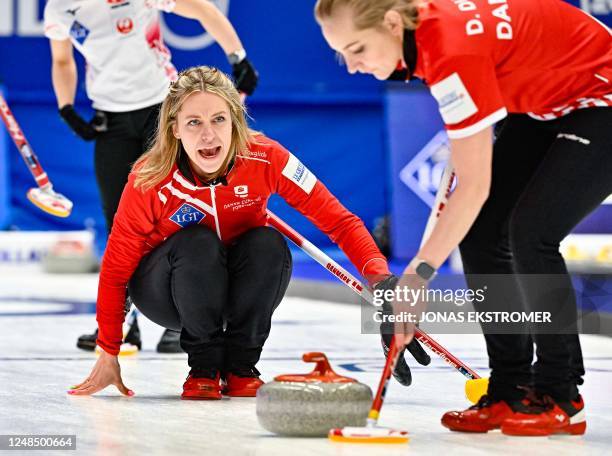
{"x":276,"y":36}
{"x":333,"y":121}
{"x":419,"y":151}
{"x":305,"y":100}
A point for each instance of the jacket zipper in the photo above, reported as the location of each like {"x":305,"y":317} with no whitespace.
{"x":214,"y":205}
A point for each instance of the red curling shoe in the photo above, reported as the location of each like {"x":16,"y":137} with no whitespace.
{"x":202,"y":387}
{"x":547,"y":417}
{"x":484,"y":416}
{"x":242,"y":383}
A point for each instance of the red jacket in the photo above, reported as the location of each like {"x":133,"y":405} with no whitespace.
{"x":482,"y":59}
{"x":145,"y":219}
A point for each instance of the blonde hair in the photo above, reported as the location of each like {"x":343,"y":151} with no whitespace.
{"x":370,"y":13}
{"x":153,"y":166}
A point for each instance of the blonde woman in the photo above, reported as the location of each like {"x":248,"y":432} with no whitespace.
{"x":128,"y":72}
{"x":545,"y":67}
{"x":191,"y":243}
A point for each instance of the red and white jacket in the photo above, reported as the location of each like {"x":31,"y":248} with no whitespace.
{"x":146,"y":219}
{"x":484,"y":58}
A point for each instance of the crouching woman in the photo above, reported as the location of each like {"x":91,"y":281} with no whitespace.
{"x":191,"y":245}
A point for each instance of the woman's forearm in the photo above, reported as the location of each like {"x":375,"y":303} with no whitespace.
{"x":215,"y":23}
{"x":64,"y":76}
{"x":472,"y":158}
{"x":454,"y":223}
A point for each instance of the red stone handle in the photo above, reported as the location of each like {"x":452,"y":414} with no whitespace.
{"x":322,"y":372}
{"x":323,"y":367}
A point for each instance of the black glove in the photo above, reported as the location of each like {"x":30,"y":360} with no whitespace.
{"x":401,"y":373}
{"x":245,"y":76}
{"x":82,"y":128}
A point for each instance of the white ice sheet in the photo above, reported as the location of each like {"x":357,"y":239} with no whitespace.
{"x":38,"y":362}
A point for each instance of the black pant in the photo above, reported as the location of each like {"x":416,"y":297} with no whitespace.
{"x":128,"y":137}
{"x":547,"y":176}
{"x":193,"y":283}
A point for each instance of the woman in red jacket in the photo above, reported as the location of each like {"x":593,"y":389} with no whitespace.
{"x":546,"y":68}
{"x":191,"y":244}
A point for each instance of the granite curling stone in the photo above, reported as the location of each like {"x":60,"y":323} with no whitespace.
{"x":309,"y":405}
{"x":70,"y":256}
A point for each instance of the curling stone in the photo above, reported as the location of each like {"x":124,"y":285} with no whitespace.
{"x":70,"y":256}
{"x":309,"y":405}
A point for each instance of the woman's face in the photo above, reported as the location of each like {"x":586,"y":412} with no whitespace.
{"x":374,"y":51}
{"x":204,"y":126}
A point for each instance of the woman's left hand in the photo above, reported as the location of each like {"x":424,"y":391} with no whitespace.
{"x":105,"y":372}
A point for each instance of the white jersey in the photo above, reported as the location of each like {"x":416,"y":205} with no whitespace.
{"x":128,"y":65}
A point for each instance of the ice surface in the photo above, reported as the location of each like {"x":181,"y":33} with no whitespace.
{"x":39,"y":361}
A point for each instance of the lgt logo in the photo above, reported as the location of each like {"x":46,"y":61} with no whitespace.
{"x":424,"y":172}
{"x":241,"y":191}
{"x":187,"y":215}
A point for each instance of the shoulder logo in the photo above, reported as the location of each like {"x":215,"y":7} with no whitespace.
{"x":79,"y":32}
{"x":187,"y":215}
{"x":73,"y":12}
{"x":296,"y":172}
{"x":454,"y":100}
{"x":241,"y":191}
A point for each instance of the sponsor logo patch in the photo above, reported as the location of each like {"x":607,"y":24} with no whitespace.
{"x":296,"y":172}
{"x":79,"y":32}
{"x":454,"y":100}
{"x":241,"y":191}
{"x":187,"y":215}
{"x":125,"y":25}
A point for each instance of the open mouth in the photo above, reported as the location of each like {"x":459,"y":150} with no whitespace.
{"x":209,"y":152}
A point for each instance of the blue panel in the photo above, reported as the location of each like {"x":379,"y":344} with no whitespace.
{"x":67,"y":160}
{"x":4,"y":175}
{"x":418,"y":147}
{"x":331,"y":120}
{"x":600,"y":9}
{"x":274,"y":35}
{"x":341,"y":144}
